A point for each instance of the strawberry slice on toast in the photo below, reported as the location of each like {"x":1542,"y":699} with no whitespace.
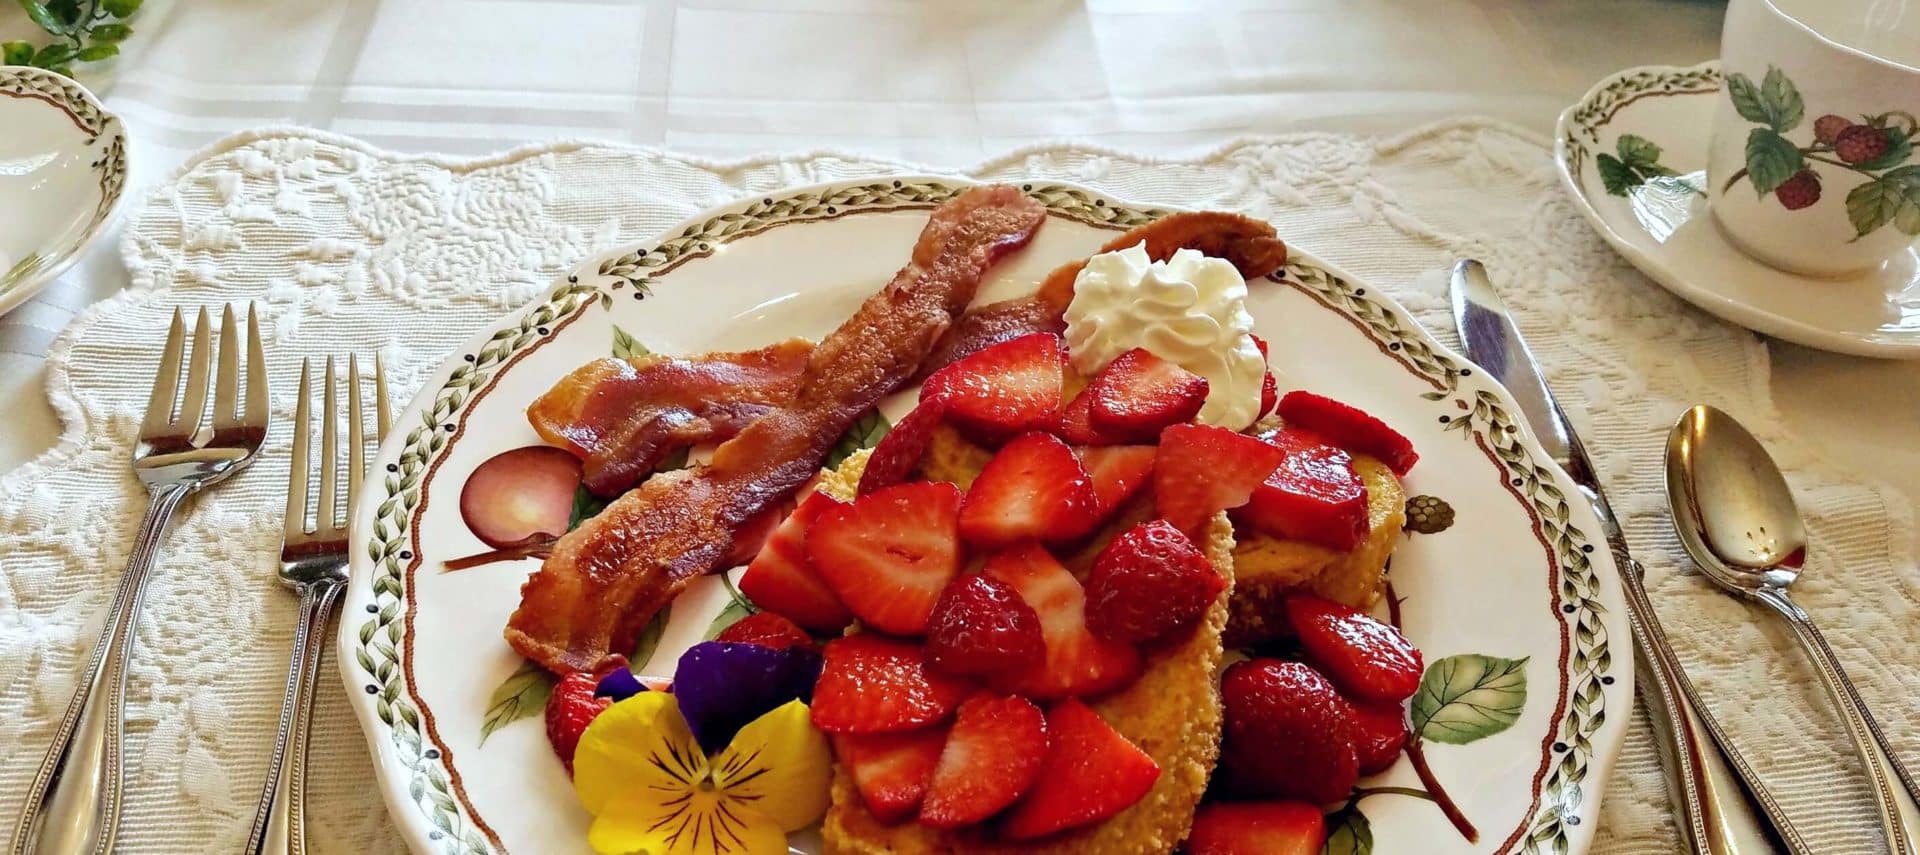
{"x":991,"y":758}
{"x":1090,"y":773}
{"x":1139,"y":393}
{"x":1034,"y":489}
{"x":890,"y":553}
{"x":1202,"y":470}
{"x":1351,"y":427}
{"x":873,"y":684}
{"x":1077,"y":662}
{"x":782,"y":579}
{"x":1314,"y":494}
{"x":891,"y":770}
{"x":1005,"y":390}
{"x":1118,"y":472}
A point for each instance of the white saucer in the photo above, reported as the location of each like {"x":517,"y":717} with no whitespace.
{"x":1663,"y":227}
{"x":63,"y":164}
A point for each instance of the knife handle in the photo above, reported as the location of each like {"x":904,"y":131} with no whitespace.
{"x":1723,"y":807}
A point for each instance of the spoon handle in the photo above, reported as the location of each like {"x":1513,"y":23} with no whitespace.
{"x":1893,"y":787}
{"x":1723,"y":808}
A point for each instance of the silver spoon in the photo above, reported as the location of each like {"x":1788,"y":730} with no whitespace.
{"x":1736,"y":517}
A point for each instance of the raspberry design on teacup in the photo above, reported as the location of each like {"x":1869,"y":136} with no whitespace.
{"x":1876,"y":147}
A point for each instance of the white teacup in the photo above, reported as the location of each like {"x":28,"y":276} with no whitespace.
{"x":1812,"y":167}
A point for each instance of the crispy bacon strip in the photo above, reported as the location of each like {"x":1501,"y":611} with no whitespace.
{"x":1249,"y":243}
{"x":607,"y":578}
{"x":621,"y":417}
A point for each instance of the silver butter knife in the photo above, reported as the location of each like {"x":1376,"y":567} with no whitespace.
{"x":1723,"y":807}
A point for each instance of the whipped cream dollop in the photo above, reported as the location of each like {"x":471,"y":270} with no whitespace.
{"x":1190,"y":310}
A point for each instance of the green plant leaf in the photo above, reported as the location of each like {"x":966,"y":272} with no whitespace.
{"x":1899,"y":148}
{"x":865,"y":433}
{"x":626,"y":346}
{"x":1746,"y":99}
{"x":121,"y":8}
{"x":97,"y":52}
{"x":1771,"y":160}
{"x":585,"y":506}
{"x":1637,"y":151}
{"x":1348,"y":833}
{"x":44,"y":17}
{"x":1782,"y":100}
{"x":108,"y":34}
{"x":649,"y":638}
{"x":736,"y":609}
{"x":16,"y":53}
{"x":1616,"y":175}
{"x":521,"y":695}
{"x":1469,"y":697}
{"x":53,"y":56}
{"x":1890,"y":198}
{"x":68,"y":11}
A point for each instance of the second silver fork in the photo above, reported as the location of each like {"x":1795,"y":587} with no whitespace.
{"x":313,"y":564}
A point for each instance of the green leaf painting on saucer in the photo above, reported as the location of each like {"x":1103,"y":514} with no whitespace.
{"x":1874,"y":146}
{"x":1638,"y":162}
{"x":1469,"y":697}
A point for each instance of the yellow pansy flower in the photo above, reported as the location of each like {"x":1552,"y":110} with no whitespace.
{"x":652,"y":791}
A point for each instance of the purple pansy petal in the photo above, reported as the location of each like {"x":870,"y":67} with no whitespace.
{"x":618,"y":684}
{"x":722,"y":686}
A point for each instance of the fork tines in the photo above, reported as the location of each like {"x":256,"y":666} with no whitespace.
{"x":329,"y":524}
{"x":173,"y":421}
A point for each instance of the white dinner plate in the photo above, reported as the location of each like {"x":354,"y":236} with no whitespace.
{"x":1509,"y":576}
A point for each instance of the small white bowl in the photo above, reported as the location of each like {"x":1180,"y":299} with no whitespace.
{"x":63,"y":165}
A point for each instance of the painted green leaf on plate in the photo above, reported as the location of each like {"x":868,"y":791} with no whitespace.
{"x":522,"y":695}
{"x":649,"y":639}
{"x":626,"y":346}
{"x":1469,"y":697}
{"x":865,"y":433}
{"x":1348,"y":833}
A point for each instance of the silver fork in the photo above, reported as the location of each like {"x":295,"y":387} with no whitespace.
{"x":74,"y":806}
{"x":314,"y":564}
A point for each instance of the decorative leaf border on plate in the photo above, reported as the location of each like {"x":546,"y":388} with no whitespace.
{"x":375,"y":647}
{"x":110,"y":168}
{"x":1599,"y":107}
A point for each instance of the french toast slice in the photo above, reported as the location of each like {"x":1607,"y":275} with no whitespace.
{"x":1172,"y":713}
{"x":1267,"y":568}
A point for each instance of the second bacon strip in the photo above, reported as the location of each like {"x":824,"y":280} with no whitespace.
{"x":583,"y":608}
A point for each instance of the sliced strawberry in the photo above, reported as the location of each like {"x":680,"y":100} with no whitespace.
{"x":1139,"y":393}
{"x":756,"y":534}
{"x":1077,"y":662}
{"x":1202,"y":470}
{"x":1351,"y":427}
{"x":992,"y":754}
{"x":1034,"y":489}
{"x":890,"y":553}
{"x":871,"y":684}
{"x":1287,"y":735}
{"x":1150,"y":582}
{"x":782,"y":579}
{"x":1379,"y":732}
{"x":1257,"y":828}
{"x":903,"y":446}
{"x":891,"y":770}
{"x":1076,"y":424}
{"x":1269,"y":388}
{"x":767,"y":629}
{"x":1313,"y":495}
{"x":1005,"y":390}
{"x":1369,"y":659}
{"x":981,"y":626}
{"x":1090,"y":773}
{"x":570,"y":708}
{"x":1118,"y":472}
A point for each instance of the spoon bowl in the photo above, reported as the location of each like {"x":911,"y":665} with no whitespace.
{"x":1732,"y":508}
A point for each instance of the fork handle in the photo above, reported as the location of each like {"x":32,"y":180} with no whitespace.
{"x":74,"y":806}
{"x":1894,"y":794}
{"x":278,"y":821}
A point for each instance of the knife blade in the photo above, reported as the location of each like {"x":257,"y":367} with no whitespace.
{"x":1724,"y":808}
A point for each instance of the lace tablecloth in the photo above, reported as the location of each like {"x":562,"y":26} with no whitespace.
{"x":347,"y":248}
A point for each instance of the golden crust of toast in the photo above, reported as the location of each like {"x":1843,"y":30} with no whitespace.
{"x":1172,"y":713}
{"x":1267,"y":568}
